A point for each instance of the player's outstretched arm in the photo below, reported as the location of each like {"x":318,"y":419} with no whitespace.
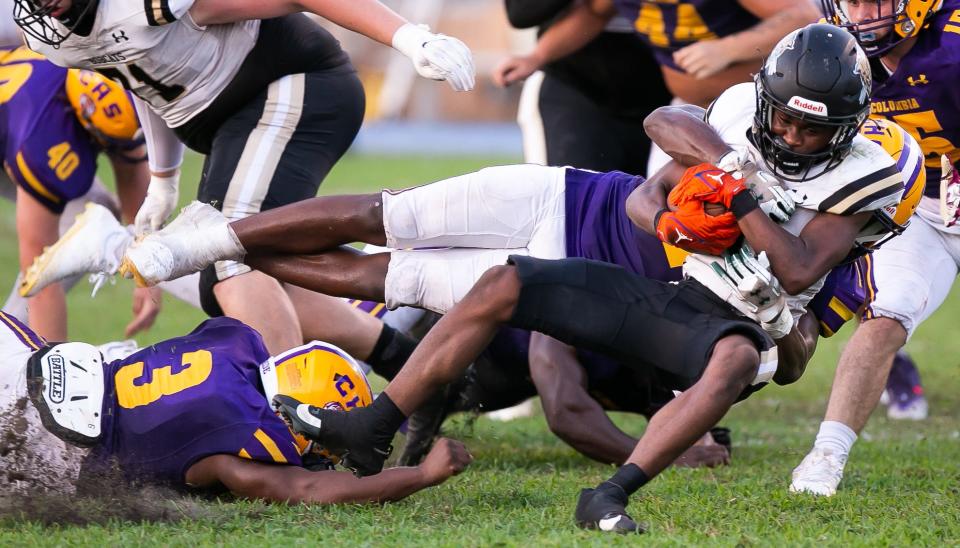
{"x":573,"y":31}
{"x":571,"y":413}
{"x":434,"y":56}
{"x":292,"y":484}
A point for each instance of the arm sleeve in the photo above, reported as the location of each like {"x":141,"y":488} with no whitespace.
{"x":164,"y":150}
{"x":524,"y":14}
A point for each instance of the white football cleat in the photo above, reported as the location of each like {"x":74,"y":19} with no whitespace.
{"x":197,"y":238}
{"x":94,"y":244}
{"x":819,"y":473}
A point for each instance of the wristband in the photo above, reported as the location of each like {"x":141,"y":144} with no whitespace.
{"x":656,"y":218}
{"x":742,"y":204}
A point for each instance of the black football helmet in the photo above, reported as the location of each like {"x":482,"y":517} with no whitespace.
{"x":819,"y":74}
{"x":33,"y":16}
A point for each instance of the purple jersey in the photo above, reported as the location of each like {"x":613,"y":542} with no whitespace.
{"x":597,"y":226}
{"x":45,"y":148}
{"x":848,"y":289}
{"x":176,"y":402}
{"x":668,"y":25}
{"x":922,"y":96}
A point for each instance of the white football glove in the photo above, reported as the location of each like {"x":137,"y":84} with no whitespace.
{"x":745,"y":282}
{"x":949,"y":192}
{"x":775,"y":200}
{"x":436,"y":56}
{"x":751,"y":276}
{"x":159,"y":203}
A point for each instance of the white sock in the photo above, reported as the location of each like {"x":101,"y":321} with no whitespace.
{"x":835,"y":437}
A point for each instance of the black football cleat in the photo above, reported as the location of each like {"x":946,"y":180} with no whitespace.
{"x":598,"y":509}
{"x":341,"y":433}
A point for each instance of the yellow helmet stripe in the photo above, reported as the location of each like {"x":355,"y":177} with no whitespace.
{"x":243,"y":453}
{"x":32,"y":180}
{"x":269,"y":445}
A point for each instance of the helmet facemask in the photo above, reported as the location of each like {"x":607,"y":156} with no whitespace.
{"x":819,"y":75}
{"x":35,"y":19}
{"x":898,"y":24}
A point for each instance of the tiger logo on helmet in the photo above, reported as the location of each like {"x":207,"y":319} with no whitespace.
{"x":904,"y":20}
{"x":319,"y":374}
{"x":104,"y":109}
{"x":901,"y":146}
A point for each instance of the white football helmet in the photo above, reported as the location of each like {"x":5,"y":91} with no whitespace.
{"x":65,"y":382}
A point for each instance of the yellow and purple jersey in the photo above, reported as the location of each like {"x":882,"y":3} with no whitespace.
{"x":178,"y":401}
{"x":921,"y":95}
{"x":668,"y":25}
{"x":848,"y":290}
{"x":45,"y":149}
{"x":598,"y":228}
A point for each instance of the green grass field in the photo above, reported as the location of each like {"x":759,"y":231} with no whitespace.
{"x":902,"y":486}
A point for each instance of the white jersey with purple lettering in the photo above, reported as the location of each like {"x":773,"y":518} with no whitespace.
{"x":866,"y":180}
{"x":155,"y":50}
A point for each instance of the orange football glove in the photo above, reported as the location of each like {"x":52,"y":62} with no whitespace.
{"x":690,"y":228}
{"x":706,"y":183}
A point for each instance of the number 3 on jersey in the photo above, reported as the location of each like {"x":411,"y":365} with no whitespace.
{"x":133,"y":390}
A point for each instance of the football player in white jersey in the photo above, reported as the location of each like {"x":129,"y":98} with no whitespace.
{"x":266,"y":94}
{"x":800,"y":121}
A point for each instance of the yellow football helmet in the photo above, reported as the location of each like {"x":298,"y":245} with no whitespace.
{"x":319,"y":374}
{"x":104,"y":109}
{"x":906,"y":19}
{"x":891,"y":221}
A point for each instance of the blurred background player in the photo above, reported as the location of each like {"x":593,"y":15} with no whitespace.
{"x":585,"y":109}
{"x":206,"y":427}
{"x":54,"y":123}
{"x":272,"y":115}
{"x":702,"y":46}
{"x":915,"y":54}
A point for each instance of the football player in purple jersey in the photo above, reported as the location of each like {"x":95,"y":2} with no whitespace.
{"x":703,"y":46}
{"x":914,"y":46}
{"x":714,"y":331}
{"x":54,"y":123}
{"x":191,"y":413}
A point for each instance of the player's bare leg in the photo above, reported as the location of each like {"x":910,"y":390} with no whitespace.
{"x":863,"y":370}
{"x":340,"y":273}
{"x":857,"y":386}
{"x":261,"y":302}
{"x":313,"y":226}
{"x":671,"y":431}
{"x":441,"y":357}
{"x":689,"y":416}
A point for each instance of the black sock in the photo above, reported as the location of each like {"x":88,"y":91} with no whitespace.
{"x":627,"y":480}
{"x":391,"y":352}
{"x":384,"y":419}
